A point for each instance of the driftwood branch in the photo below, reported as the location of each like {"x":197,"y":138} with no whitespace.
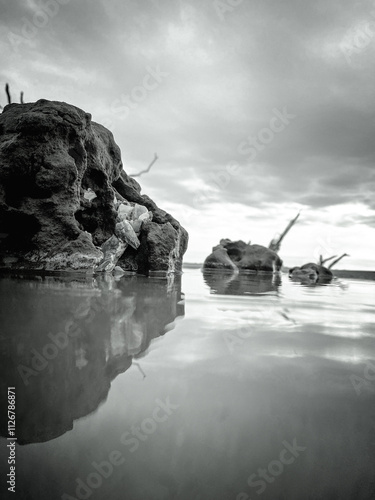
{"x":140,"y":369}
{"x":276,"y":242}
{"x":323,"y":261}
{"x":337,"y":260}
{"x":147,"y":169}
{"x":7,"y":91}
{"x":9,"y":97}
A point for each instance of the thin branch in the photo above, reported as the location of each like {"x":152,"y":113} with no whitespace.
{"x":276,"y":242}
{"x":140,"y":369}
{"x":337,"y":260}
{"x":147,"y":169}
{"x":323,"y":261}
{"x":8,"y":93}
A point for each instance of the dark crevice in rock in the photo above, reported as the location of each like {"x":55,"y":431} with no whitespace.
{"x":87,"y":219}
{"x":17,"y":190}
{"x":19,"y":229}
{"x":77,"y":153}
{"x":94,"y":179}
{"x":98,"y":217}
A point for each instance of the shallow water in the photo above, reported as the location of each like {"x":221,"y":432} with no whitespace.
{"x":206,"y":387}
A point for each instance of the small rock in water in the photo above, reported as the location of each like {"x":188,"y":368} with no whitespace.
{"x":125,"y":211}
{"x":113,"y":248}
{"x":136,"y":225}
{"x":118,"y":270}
{"x":146,"y":216}
{"x":138,"y":211}
{"x":126,"y":233}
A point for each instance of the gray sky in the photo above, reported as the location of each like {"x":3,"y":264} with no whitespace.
{"x":256,"y":108}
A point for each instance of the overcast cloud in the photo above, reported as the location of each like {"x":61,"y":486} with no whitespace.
{"x":198,"y":82}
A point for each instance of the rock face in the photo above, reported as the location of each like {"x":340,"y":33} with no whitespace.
{"x":310,"y":274}
{"x":64,"y":193}
{"x":233,"y":255}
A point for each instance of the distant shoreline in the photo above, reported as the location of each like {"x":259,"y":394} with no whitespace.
{"x":340,"y":273}
{"x":359,"y":275}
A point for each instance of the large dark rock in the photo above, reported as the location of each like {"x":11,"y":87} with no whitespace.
{"x":239,"y":255}
{"x":61,"y":184}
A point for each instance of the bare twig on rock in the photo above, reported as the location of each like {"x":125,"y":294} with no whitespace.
{"x":7,"y":91}
{"x":276,"y":242}
{"x":337,"y":260}
{"x":147,"y":169}
{"x":323,"y":261}
{"x":9,"y":97}
{"x":140,"y":369}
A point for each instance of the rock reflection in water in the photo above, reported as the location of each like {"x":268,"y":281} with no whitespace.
{"x":226,"y":283}
{"x":63,"y":341}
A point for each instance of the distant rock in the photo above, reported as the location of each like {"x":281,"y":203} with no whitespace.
{"x":238,"y":255}
{"x":310,"y":273}
{"x":64,"y":194}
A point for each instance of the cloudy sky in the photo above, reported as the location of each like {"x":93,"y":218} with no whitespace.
{"x":256,"y":108}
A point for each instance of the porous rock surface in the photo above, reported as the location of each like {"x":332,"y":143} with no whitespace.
{"x":63,"y":192}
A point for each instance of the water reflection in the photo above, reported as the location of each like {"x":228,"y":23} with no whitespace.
{"x":226,"y":283}
{"x":244,"y":373}
{"x":311,"y":280}
{"x":64,"y":340}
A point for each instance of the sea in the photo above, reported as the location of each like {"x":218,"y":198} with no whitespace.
{"x":205,"y":386}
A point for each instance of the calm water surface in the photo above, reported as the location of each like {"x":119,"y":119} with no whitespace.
{"x":202,"y":388}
